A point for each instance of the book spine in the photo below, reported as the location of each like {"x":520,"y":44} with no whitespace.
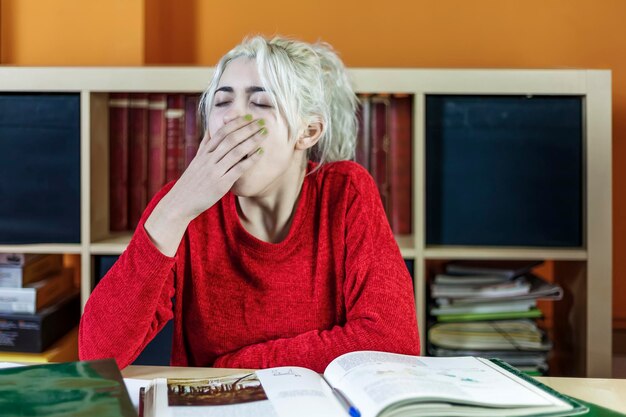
{"x":54,"y":288}
{"x":157,"y":104}
{"x":174,"y":116}
{"x":141,"y":407}
{"x":118,"y":161}
{"x":400,"y":165}
{"x":18,"y":300}
{"x":17,"y":259}
{"x":363,"y":147}
{"x":192,"y":128}
{"x":33,"y":333}
{"x":180,"y":162}
{"x":10,"y":277}
{"x":138,"y":158}
{"x":14,"y":259}
{"x":63,"y":350}
{"x":380,"y":147}
{"x":43,"y":267}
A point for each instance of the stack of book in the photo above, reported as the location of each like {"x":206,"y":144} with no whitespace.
{"x":39,"y":308}
{"x":152,"y":139}
{"x":487,"y":309}
{"x":384,"y":148}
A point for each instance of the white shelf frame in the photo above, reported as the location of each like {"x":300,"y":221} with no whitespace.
{"x":94,"y":83}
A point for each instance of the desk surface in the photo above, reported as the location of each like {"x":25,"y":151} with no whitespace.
{"x":609,"y":393}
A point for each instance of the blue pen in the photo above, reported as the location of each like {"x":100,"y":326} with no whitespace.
{"x":352,"y":410}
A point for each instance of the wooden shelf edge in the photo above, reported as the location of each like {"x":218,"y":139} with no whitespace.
{"x":70,"y":248}
{"x":557,"y":254}
{"x":113,"y":245}
{"x":406,"y":243}
{"x":107,"y":249}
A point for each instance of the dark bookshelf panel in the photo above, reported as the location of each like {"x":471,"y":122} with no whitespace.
{"x":102,"y":264}
{"x":158,"y":351}
{"x":504,"y":170}
{"x":410,"y":265}
{"x":39,"y":168}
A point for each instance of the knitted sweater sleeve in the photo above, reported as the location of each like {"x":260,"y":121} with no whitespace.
{"x":132,"y":302}
{"x":377,"y":293}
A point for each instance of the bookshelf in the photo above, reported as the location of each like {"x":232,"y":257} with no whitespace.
{"x":583,"y":323}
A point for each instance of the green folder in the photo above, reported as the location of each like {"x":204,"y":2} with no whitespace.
{"x":582,"y":408}
{"x":89,"y":388}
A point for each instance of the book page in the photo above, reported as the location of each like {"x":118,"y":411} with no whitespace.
{"x":299,"y":392}
{"x":9,"y":365}
{"x":375,"y":380}
{"x":133,"y":386}
{"x":275,"y":392}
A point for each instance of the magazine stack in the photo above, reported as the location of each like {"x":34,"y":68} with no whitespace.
{"x":489,"y":309}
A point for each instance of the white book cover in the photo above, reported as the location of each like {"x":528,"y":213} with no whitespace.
{"x":10,"y":277}
{"x":18,"y":300}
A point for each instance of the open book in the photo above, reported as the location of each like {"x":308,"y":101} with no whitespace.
{"x":366,"y":384}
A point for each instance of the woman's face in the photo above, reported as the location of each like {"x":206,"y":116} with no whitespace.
{"x":240,"y":92}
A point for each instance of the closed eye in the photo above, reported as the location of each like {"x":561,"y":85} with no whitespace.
{"x":264,"y":106}
{"x":221,"y":103}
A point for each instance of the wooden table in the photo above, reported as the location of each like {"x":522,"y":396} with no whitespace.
{"x":609,"y":393}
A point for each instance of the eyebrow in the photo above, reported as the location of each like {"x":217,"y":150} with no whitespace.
{"x":249,"y":90}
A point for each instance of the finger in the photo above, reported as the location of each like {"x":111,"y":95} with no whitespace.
{"x":241,"y":151}
{"x":229,"y":128}
{"x":204,"y":142}
{"x":241,"y":167}
{"x":234,"y":139}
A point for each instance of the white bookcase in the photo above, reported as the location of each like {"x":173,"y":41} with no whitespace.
{"x":585,"y":272}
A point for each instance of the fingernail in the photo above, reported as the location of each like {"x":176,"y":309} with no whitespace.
{"x":263,"y":131}
{"x":261,"y":122}
{"x":248,"y":117}
{"x":260,"y":151}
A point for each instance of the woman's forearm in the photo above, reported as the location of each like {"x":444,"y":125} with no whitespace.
{"x":167,"y":224}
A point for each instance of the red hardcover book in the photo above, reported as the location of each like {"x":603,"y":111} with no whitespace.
{"x":379,"y":167}
{"x":400,"y":164}
{"x":118,"y":162}
{"x":137,"y":157}
{"x":157,"y":104}
{"x":363,"y":147}
{"x":174,"y":128}
{"x":192,"y":128}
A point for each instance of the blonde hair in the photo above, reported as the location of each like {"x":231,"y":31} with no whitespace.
{"x":308,"y":83}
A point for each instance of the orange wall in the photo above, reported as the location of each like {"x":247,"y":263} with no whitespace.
{"x":72,"y":32}
{"x":413,"y":33}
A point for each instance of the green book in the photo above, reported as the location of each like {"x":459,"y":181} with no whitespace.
{"x":89,"y":388}
{"x":529,"y":314}
{"x":581,"y":407}
{"x":599,"y":411}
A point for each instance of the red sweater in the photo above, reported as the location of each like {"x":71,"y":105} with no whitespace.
{"x":337,"y":283}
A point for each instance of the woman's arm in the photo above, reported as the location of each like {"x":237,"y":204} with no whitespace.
{"x":378,"y":296}
{"x":212,"y":172}
{"x":132,"y":302}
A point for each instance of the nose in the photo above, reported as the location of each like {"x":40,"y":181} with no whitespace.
{"x":235,"y":110}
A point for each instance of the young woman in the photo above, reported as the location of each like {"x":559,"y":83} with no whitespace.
{"x":274,"y":245}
